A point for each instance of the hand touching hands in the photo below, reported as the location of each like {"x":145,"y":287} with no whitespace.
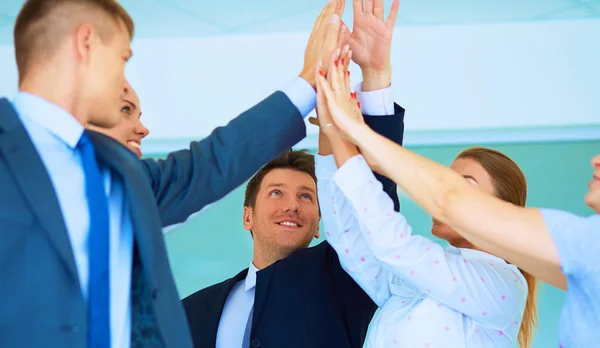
{"x":324,"y":38}
{"x":337,"y":107}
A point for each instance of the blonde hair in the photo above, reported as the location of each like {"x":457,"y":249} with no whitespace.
{"x":510,"y":185}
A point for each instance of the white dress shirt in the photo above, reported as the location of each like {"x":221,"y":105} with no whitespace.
{"x":428,"y":296}
{"x":240,"y":300}
{"x":55,"y":134}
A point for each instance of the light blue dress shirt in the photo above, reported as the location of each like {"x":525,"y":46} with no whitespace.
{"x":55,"y":134}
{"x":578,"y":244}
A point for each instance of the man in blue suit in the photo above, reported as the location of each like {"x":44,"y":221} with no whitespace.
{"x":82,"y":254}
{"x":293,"y":296}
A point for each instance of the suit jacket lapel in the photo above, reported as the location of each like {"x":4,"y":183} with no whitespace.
{"x":263,"y":279}
{"x":214,"y":309}
{"x":34,"y":181}
{"x":124,"y":163}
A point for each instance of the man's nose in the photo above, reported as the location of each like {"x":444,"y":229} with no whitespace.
{"x":292,"y":204}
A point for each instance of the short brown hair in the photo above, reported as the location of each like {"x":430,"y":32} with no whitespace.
{"x":42,"y":24}
{"x":511,"y":186}
{"x":299,"y":160}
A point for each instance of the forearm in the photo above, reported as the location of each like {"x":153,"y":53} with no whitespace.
{"x":424,"y":180}
{"x":515,"y":234}
{"x":342,"y":150}
{"x":343,"y":233}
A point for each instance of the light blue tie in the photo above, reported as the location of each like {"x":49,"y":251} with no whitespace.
{"x":98,"y":289}
{"x":248,"y":332}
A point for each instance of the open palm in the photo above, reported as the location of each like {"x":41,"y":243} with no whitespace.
{"x":371,"y":38}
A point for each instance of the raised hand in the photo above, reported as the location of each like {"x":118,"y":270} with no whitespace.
{"x":324,"y":121}
{"x":371,"y":41}
{"x":323,"y":40}
{"x":334,"y":99}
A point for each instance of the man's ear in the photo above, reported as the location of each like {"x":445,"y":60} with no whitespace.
{"x":248,"y":220}
{"x":85,"y":40}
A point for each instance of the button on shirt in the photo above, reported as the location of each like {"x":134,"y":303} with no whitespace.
{"x":240,"y":300}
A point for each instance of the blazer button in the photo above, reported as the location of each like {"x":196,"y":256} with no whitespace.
{"x":154,"y":294}
{"x":255,"y":343}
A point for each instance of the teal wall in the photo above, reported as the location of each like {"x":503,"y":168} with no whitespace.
{"x":214,"y":246}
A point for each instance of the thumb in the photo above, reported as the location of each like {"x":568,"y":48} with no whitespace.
{"x":345,"y":34}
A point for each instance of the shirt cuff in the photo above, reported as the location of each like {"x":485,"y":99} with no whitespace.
{"x":325,"y":167}
{"x":353,"y":174}
{"x":302,"y":95}
{"x":375,"y":103}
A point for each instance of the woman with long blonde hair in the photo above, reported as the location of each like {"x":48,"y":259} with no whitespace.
{"x":555,"y":246}
{"x":429,"y":296}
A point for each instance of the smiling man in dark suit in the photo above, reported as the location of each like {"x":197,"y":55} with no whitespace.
{"x":82,"y":253}
{"x":291,"y":295}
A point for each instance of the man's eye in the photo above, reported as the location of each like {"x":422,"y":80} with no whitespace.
{"x":126,"y":109}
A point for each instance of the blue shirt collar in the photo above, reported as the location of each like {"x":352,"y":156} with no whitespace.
{"x":56,"y":120}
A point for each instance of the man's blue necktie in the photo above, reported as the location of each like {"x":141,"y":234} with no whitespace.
{"x":98,"y":244}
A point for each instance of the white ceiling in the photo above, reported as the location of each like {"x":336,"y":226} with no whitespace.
{"x":185,"y":18}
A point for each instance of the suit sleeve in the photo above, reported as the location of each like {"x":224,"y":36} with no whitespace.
{"x":358,"y":306}
{"x":188,"y":180}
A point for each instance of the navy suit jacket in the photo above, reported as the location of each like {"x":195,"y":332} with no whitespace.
{"x":304,"y":300}
{"x":41,"y":304}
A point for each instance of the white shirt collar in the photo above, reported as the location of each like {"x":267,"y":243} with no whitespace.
{"x":250,"y":281}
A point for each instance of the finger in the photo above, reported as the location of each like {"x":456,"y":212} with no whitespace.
{"x":357,"y":7}
{"x":324,"y":16}
{"x":333,"y":75}
{"x":329,"y":97}
{"x":341,"y":7}
{"x":323,"y":116}
{"x":348,"y":58}
{"x":344,"y":34}
{"x":344,"y":73}
{"x":325,"y":89}
{"x":333,"y":32}
{"x":357,"y":111}
{"x":368,"y":6}
{"x":378,"y":9}
{"x":390,"y":22}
